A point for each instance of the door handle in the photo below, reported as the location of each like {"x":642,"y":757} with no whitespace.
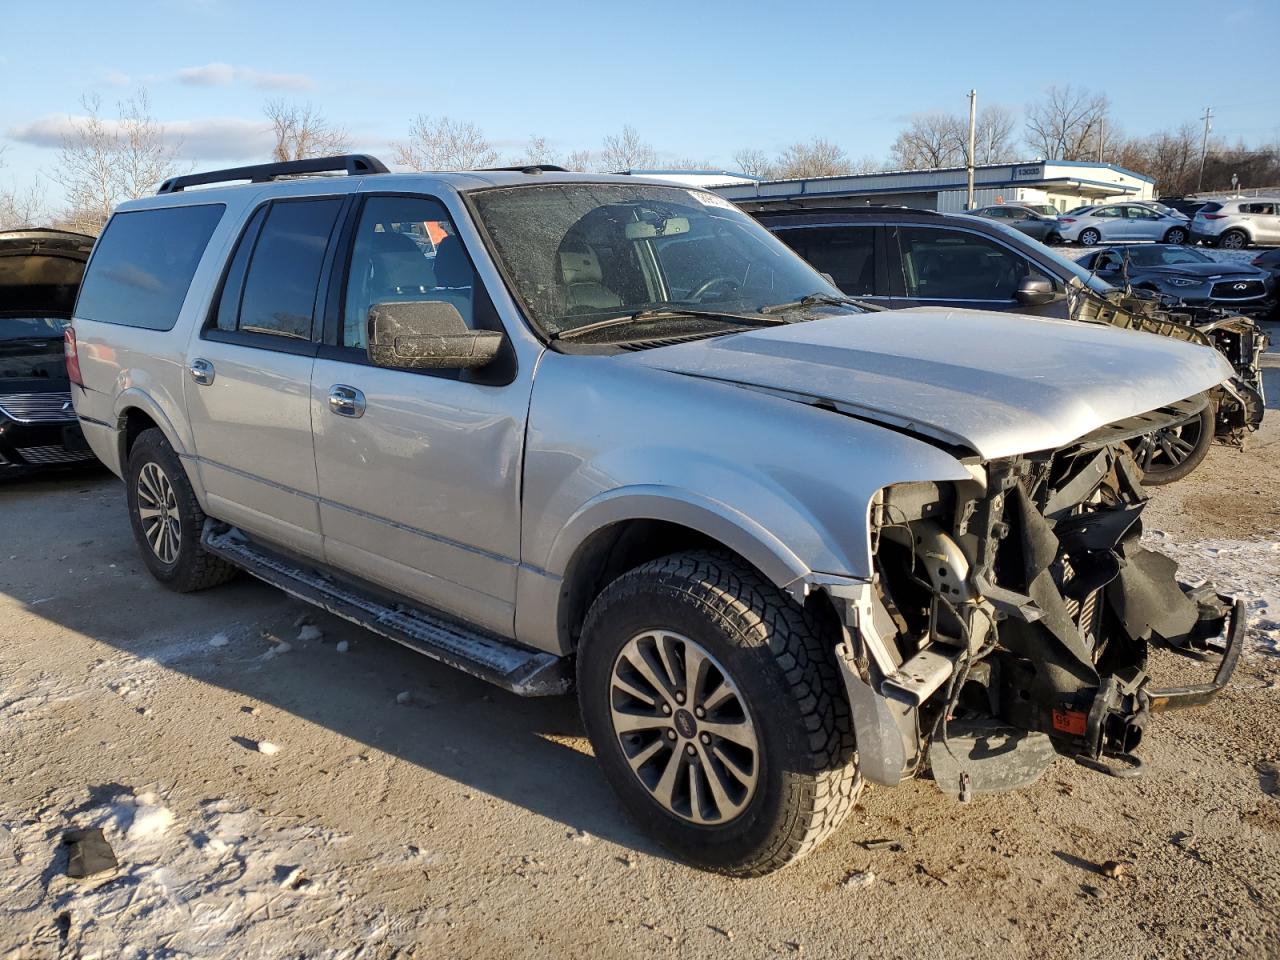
{"x":201,"y":372}
{"x":346,"y":401}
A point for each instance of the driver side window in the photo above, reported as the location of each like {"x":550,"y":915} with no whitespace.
{"x":406,"y":248}
{"x":940,"y":264}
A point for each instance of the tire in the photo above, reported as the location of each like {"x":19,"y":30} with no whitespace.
{"x":1233,"y":239}
{"x":1176,"y":235}
{"x":1054,"y":239}
{"x":160,"y":499}
{"x":785,"y":691}
{"x":1184,"y":447}
{"x":1089,"y":237}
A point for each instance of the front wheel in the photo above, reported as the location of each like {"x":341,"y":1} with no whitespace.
{"x":715,"y":707}
{"x":1089,"y":237}
{"x":167,"y":519}
{"x":1172,"y":452}
{"x":1176,"y":235}
{"x":1234,"y":240}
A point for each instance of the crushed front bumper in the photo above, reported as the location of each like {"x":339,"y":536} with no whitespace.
{"x":1163,"y":699}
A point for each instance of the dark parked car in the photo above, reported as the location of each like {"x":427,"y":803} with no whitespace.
{"x":40,"y":273}
{"x":1185,"y":274}
{"x":1269,"y":260}
{"x":897,"y":257}
{"x":1037,"y":220}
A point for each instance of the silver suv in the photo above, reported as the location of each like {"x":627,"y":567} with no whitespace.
{"x":559,"y":429}
{"x":1235,"y":224}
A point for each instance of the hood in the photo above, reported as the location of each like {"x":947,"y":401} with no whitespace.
{"x":1206,"y":271}
{"x":40,"y":271}
{"x":997,"y":383}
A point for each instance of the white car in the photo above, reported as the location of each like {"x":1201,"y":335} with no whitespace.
{"x":1121,"y":221}
{"x":1234,"y":224}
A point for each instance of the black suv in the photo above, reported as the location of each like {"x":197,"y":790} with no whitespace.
{"x":898,"y":257}
{"x":40,"y":273}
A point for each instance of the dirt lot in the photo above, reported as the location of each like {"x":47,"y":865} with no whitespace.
{"x":464,"y":822}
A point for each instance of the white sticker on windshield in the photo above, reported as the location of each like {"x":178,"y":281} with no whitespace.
{"x":711,"y":200}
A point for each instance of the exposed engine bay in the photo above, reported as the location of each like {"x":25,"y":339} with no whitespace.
{"x":1014,"y":614}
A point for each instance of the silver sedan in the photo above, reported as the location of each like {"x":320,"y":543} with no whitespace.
{"x":1121,"y":221}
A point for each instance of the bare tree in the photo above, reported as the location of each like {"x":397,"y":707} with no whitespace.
{"x":993,"y":136}
{"x":580,"y":161}
{"x":817,"y":158}
{"x":440,"y":143}
{"x":104,"y":162}
{"x":21,"y":208}
{"x":626,"y":151}
{"x":754,"y":163}
{"x":1064,"y":126}
{"x":930,"y":142}
{"x":867,"y":164}
{"x":537,"y":151}
{"x":302,"y":132}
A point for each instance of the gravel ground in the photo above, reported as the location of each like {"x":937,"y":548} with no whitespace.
{"x":410,"y":811}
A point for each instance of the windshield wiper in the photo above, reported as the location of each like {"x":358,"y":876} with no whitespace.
{"x":665,"y":313}
{"x":817,"y":299}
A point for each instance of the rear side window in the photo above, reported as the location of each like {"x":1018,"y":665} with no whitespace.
{"x":1211,"y":208}
{"x":278,"y":295}
{"x":143,"y":264}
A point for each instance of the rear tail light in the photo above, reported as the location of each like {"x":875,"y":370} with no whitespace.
{"x":1066,"y":219}
{"x":72,"y":357}
{"x":1214,"y":216}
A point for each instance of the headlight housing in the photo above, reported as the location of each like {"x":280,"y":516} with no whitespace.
{"x":1184,"y":282}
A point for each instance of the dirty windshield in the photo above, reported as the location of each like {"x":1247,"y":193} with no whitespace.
{"x":618,"y":256}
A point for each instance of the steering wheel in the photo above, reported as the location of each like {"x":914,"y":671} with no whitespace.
{"x":708,"y":285}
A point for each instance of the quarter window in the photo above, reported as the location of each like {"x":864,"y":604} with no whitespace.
{"x":953,"y":265}
{"x":846,"y":254}
{"x":143,"y":265}
{"x":406,"y":248}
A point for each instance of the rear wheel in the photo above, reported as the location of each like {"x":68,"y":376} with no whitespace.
{"x":1172,"y":452}
{"x":167,"y":519}
{"x":1089,"y":237}
{"x":1176,"y":235}
{"x":1234,"y":240}
{"x":716,"y":709}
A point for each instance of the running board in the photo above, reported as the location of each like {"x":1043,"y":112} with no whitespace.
{"x":529,"y":673}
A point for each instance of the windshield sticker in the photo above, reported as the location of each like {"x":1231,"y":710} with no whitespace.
{"x":711,"y":200}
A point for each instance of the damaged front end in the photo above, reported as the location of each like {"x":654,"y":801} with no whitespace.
{"x":1012,"y":617}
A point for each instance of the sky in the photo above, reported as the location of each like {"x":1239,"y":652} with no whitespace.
{"x":697,"y":80}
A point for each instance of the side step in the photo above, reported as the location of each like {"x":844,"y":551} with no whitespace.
{"x":529,"y":673}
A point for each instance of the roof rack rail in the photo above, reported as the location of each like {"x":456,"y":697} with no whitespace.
{"x":526,"y":168}
{"x":351,"y":164}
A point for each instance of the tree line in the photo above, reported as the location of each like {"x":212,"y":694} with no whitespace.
{"x":106,"y":160}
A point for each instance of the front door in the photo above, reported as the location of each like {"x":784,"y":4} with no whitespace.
{"x":419,"y":471}
{"x":248,"y":388}
{"x":847,"y":253}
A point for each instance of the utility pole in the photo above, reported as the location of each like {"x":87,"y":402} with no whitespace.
{"x":1102,"y":135}
{"x":973,"y":125}
{"x":1204,"y":145}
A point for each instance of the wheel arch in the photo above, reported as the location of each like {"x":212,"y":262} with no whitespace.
{"x":136,"y":412}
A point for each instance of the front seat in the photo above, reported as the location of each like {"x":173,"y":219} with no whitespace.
{"x":400,"y":271}
{"x":583,"y":290}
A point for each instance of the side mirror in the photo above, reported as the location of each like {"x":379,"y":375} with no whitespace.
{"x":428,"y":335}
{"x":1036,"y":291}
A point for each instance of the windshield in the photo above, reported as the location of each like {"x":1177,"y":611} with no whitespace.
{"x":1162,"y":256}
{"x":32,"y":328}
{"x":581,"y":253}
{"x":1078,"y":210}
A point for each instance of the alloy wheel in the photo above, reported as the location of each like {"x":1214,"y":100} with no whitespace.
{"x":158,"y":511}
{"x":1167,"y":447}
{"x":1089,"y":237}
{"x":684,"y":728}
{"x":1233,"y":240}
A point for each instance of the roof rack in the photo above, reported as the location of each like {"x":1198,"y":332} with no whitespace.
{"x":351,"y":164}
{"x":790,"y":206}
{"x":527,"y":168}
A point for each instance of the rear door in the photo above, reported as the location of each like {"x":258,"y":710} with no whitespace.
{"x":1264,"y":217}
{"x":851,"y":254}
{"x":950,"y":266}
{"x":248,"y":385}
{"x":419,"y":471}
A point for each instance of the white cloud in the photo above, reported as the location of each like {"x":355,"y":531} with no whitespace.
{"x":224,"y":75}
{"x":208,"y":138}
{"x":116,"y":78}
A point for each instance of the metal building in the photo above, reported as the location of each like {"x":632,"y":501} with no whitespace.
{"x":1063,"y":183}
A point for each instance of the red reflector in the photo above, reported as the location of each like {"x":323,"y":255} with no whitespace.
{"x":72,"y":357}
{"x":1070,"y":721}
